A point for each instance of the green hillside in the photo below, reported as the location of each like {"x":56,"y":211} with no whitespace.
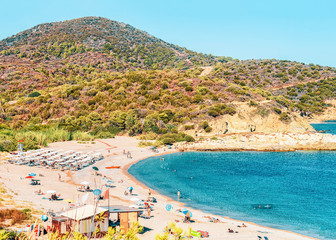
{"x":93,"y":77}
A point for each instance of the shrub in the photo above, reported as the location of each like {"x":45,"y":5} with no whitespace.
{"x":285,"y":117}
{"x":277,"y":110}
{"x":253,"y":103}
{"x":208,"y":129}
{"x":189,"y":138}
{"x":189,"y":127}
{"x":168,"y":141}
{"x":82,"y":136}
{"x":204,"y":124}
{"x":213,"y":113}
{"x":34,"y":94}
{"x":189,"y":88}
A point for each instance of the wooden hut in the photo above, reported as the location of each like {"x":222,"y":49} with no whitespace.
{"x":80,"y":220}
{"x":126,"y":216}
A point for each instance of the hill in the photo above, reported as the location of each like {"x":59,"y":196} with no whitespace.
{"x":93,"y":77}
{"x":93,"y":39}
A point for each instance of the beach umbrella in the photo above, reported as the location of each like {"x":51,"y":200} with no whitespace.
{"x":134,"y":199}
{"x":68,"y":200}
{"x":32,"y":174}
{"x":186,"y":212}
{"x":107,"y":180}
{"x":95,"y":168}
{"x":96,"y":192}
{"x":130,"y":188}
{"x":140,"y":203}
{"x":30,"y":177}
{"x":84,"y":183}
{"x":44,"y":218}
{"x":85,"y":198}
{"x":51,"y":191}
{"x":169,"y":207}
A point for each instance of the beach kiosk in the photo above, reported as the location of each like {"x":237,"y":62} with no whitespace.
{"x":80,"y":220}
{"x":125,"y":215}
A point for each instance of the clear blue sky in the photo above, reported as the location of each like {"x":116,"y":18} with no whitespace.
{"x":300,"y":30}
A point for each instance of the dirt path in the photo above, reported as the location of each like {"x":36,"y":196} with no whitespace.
{"x":206,"y":70}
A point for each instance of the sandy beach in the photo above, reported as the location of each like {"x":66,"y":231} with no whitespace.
{"x":13,"y":178}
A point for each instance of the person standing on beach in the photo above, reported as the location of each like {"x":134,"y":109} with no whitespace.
{"x":178,"y":194}
{"x":149,"y":210}
{"x":59,"y":177}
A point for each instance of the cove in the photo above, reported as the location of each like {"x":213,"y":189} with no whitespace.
{"x":301,"y":186}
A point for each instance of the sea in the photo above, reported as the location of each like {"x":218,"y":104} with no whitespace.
{"x":299,"y":186}
{"x":326,"y":127}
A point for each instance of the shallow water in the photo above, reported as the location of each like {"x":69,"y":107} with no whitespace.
{"x":301,"y":186}
{"x":327,"y":126}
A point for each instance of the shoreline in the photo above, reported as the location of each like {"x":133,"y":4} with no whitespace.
{"x":113,"y":156}
{"x":141,"y":184}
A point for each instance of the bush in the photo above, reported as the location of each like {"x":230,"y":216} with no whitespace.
{"x":34,"y":94}
{"x":285,"y":117}
{"x":213,"y":113}
{"x":189,"y":138}
{"x":208,"y":129}
{"x":82,"y":136}
{"x":103,"y":134}
{"x":189,"y":88}
{"x":253,"y":103}
{"x":168,"y":141}
{"x":189,"y":127}
{"x":277,"y":110}
{"x":204,"y":124}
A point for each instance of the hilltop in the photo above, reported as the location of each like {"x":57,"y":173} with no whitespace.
{"x":94,"y":77}
{"x":94,"y":39}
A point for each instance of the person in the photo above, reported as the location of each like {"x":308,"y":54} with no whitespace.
{"x":130,"y":191}
{"x":178,"y":195}
{"x":149,"y":210}
{"x":59,"y":177}
{"x":125,"y":193}
{"x":243,"y":225}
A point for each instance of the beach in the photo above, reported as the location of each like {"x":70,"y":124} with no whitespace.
{"x":13,"y":177}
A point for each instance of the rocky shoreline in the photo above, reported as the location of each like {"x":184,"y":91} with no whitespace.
{"x":263,"y":142}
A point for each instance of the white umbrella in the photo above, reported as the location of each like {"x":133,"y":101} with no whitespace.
{"x":84,"y":183}
{"x":51,"y":191}
{"x":85,"y":198}
{"x":134,"y":199}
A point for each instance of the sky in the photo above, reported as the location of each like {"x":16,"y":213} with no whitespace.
{"x":298,"y":30}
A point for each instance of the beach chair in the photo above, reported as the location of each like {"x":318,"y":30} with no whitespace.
{"x":266,"y":238}
{"x":259,"y":237}
{"x":204,"y":234}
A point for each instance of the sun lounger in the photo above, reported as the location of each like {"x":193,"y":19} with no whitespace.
{"x":266,"y":238}
{"x":204,"y":234}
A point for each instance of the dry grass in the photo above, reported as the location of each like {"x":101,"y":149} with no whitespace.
{"x":15,"y":216}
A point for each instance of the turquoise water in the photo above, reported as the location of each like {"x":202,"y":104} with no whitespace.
{"x":327,"y":126}
{"x":301,"y":186}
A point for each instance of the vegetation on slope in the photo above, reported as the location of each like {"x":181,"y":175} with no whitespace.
{"x":60,"y":82}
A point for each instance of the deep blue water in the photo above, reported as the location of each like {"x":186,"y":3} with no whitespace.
{"x":300,"y":185}
{"x":327,"y":126}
